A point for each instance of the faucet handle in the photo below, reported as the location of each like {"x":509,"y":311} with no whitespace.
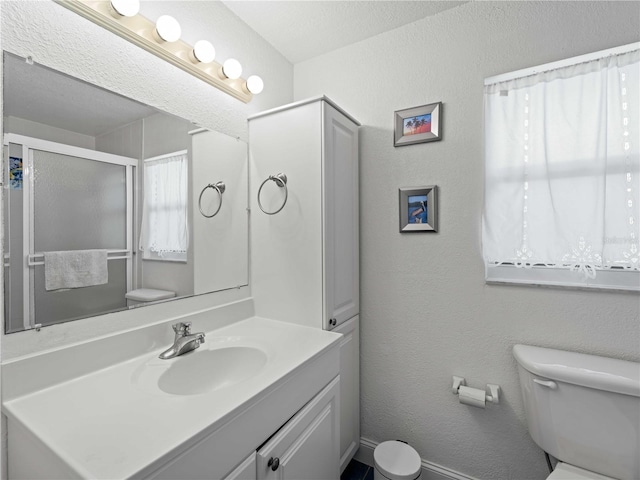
{"x":182,"y":328}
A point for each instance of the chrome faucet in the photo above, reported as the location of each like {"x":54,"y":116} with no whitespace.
{"x":184,"y":341}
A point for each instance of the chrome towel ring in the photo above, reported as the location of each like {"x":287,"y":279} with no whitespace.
{"x":281,"y":181}
{"x":218,"y":187}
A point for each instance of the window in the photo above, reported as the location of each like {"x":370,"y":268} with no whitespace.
{"x":164,"y":234}
{"x":562,"y":161}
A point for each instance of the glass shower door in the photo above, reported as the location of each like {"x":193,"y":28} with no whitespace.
{"x":77,"y":204}
{"x":63,"y":198}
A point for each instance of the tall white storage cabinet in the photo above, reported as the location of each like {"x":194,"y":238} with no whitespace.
{"x":305,"y":258}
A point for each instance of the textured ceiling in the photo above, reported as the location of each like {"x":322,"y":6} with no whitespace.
{"x":304,"y":29}
{"x":39,"y":94}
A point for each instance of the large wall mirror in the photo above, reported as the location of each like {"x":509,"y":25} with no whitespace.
{"x":110,"y":204}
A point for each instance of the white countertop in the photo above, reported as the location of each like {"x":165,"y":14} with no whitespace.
{"x":109,"y":425}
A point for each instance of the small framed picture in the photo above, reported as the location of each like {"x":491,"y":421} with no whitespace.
{"x":419,"y":209}
{"x":15,"y":173}
{"x":418,"y":125}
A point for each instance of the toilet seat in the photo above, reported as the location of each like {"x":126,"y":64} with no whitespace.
{"x":149,"y":295}
{"x":564,"y":471}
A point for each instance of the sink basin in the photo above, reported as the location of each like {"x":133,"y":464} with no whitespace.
{"x":201,"y":371}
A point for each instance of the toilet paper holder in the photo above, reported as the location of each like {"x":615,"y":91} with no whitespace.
{"x":492,"y":392}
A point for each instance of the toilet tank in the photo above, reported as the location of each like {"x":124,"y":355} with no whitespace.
{"x":583,"y":409}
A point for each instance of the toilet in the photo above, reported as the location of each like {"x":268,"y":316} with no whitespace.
{"x":141,"y":296}
{"x":396,"y":460}
{"x":584,"y":410}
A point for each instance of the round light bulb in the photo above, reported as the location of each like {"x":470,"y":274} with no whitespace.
{"x":232,"y":68}
{"x":126,"y":8}
{"x":168,"y":28}
{"x":255,"y":84}
{"x":204,"y":51}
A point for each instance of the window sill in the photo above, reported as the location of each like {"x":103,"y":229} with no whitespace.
{"x":614,"y":279}
{"x":175,"y":258}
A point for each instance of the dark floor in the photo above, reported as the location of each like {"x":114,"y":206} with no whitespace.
{"x":357,"y":471}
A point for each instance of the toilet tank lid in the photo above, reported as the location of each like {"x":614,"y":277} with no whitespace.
{"x":149,"y":294}
{"x":593,"y":371}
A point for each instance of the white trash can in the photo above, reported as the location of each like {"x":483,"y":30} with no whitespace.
{"x":396,"y":460}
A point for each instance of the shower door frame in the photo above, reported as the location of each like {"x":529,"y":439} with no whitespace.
{"x":29,"y":144}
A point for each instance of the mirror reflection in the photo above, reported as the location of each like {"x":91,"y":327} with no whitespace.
{"x":111,"y":204}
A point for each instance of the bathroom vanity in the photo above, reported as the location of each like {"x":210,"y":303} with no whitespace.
{"x":259,"y":399}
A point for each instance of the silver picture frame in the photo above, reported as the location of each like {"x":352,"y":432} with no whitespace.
{"x":418,"y":209}
{"x":418,"y":125}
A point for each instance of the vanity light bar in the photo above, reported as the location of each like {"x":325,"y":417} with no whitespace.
{"x":142,"y":32}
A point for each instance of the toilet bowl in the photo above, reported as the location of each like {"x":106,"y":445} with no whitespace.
{"x":141,"y":296}
{"x":395,"y":460}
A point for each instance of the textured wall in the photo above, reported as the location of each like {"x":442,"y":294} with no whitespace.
{"x":426,"y":311}
{"x":20,"y":126}
{"x":61,"y":39}
{"x":127,"y":141}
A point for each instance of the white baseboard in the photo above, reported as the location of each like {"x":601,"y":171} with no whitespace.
{"x":365,"y":453}
{"x":348,"y":455}
{"x":430,"y":471}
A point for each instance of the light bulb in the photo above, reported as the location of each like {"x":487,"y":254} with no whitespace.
{"x":255,"y":84}
{"x":168,"y":28}
{"x":204,"y":51}
{"x":126,"y":8}
{"x":232,"y":68}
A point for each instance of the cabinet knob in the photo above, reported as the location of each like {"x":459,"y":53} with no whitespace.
{"x":332,"y":321}
{"x":274,"y":463}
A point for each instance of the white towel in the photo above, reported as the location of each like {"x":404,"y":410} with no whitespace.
{"x":75,"y":269}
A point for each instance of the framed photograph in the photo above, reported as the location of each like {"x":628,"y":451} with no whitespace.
{"x":15,"y":173}
{"x":419,"y":209}
{"x":418,"y":125}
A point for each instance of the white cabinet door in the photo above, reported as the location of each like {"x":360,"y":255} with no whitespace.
{"x":341,"y":218}
{"x":307,"y":446}
{"x":349,"y":390}
{"x":245,"y":471}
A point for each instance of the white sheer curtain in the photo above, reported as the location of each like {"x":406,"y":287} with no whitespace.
{"x":165,"y":233}
{"x":562,"y":153}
